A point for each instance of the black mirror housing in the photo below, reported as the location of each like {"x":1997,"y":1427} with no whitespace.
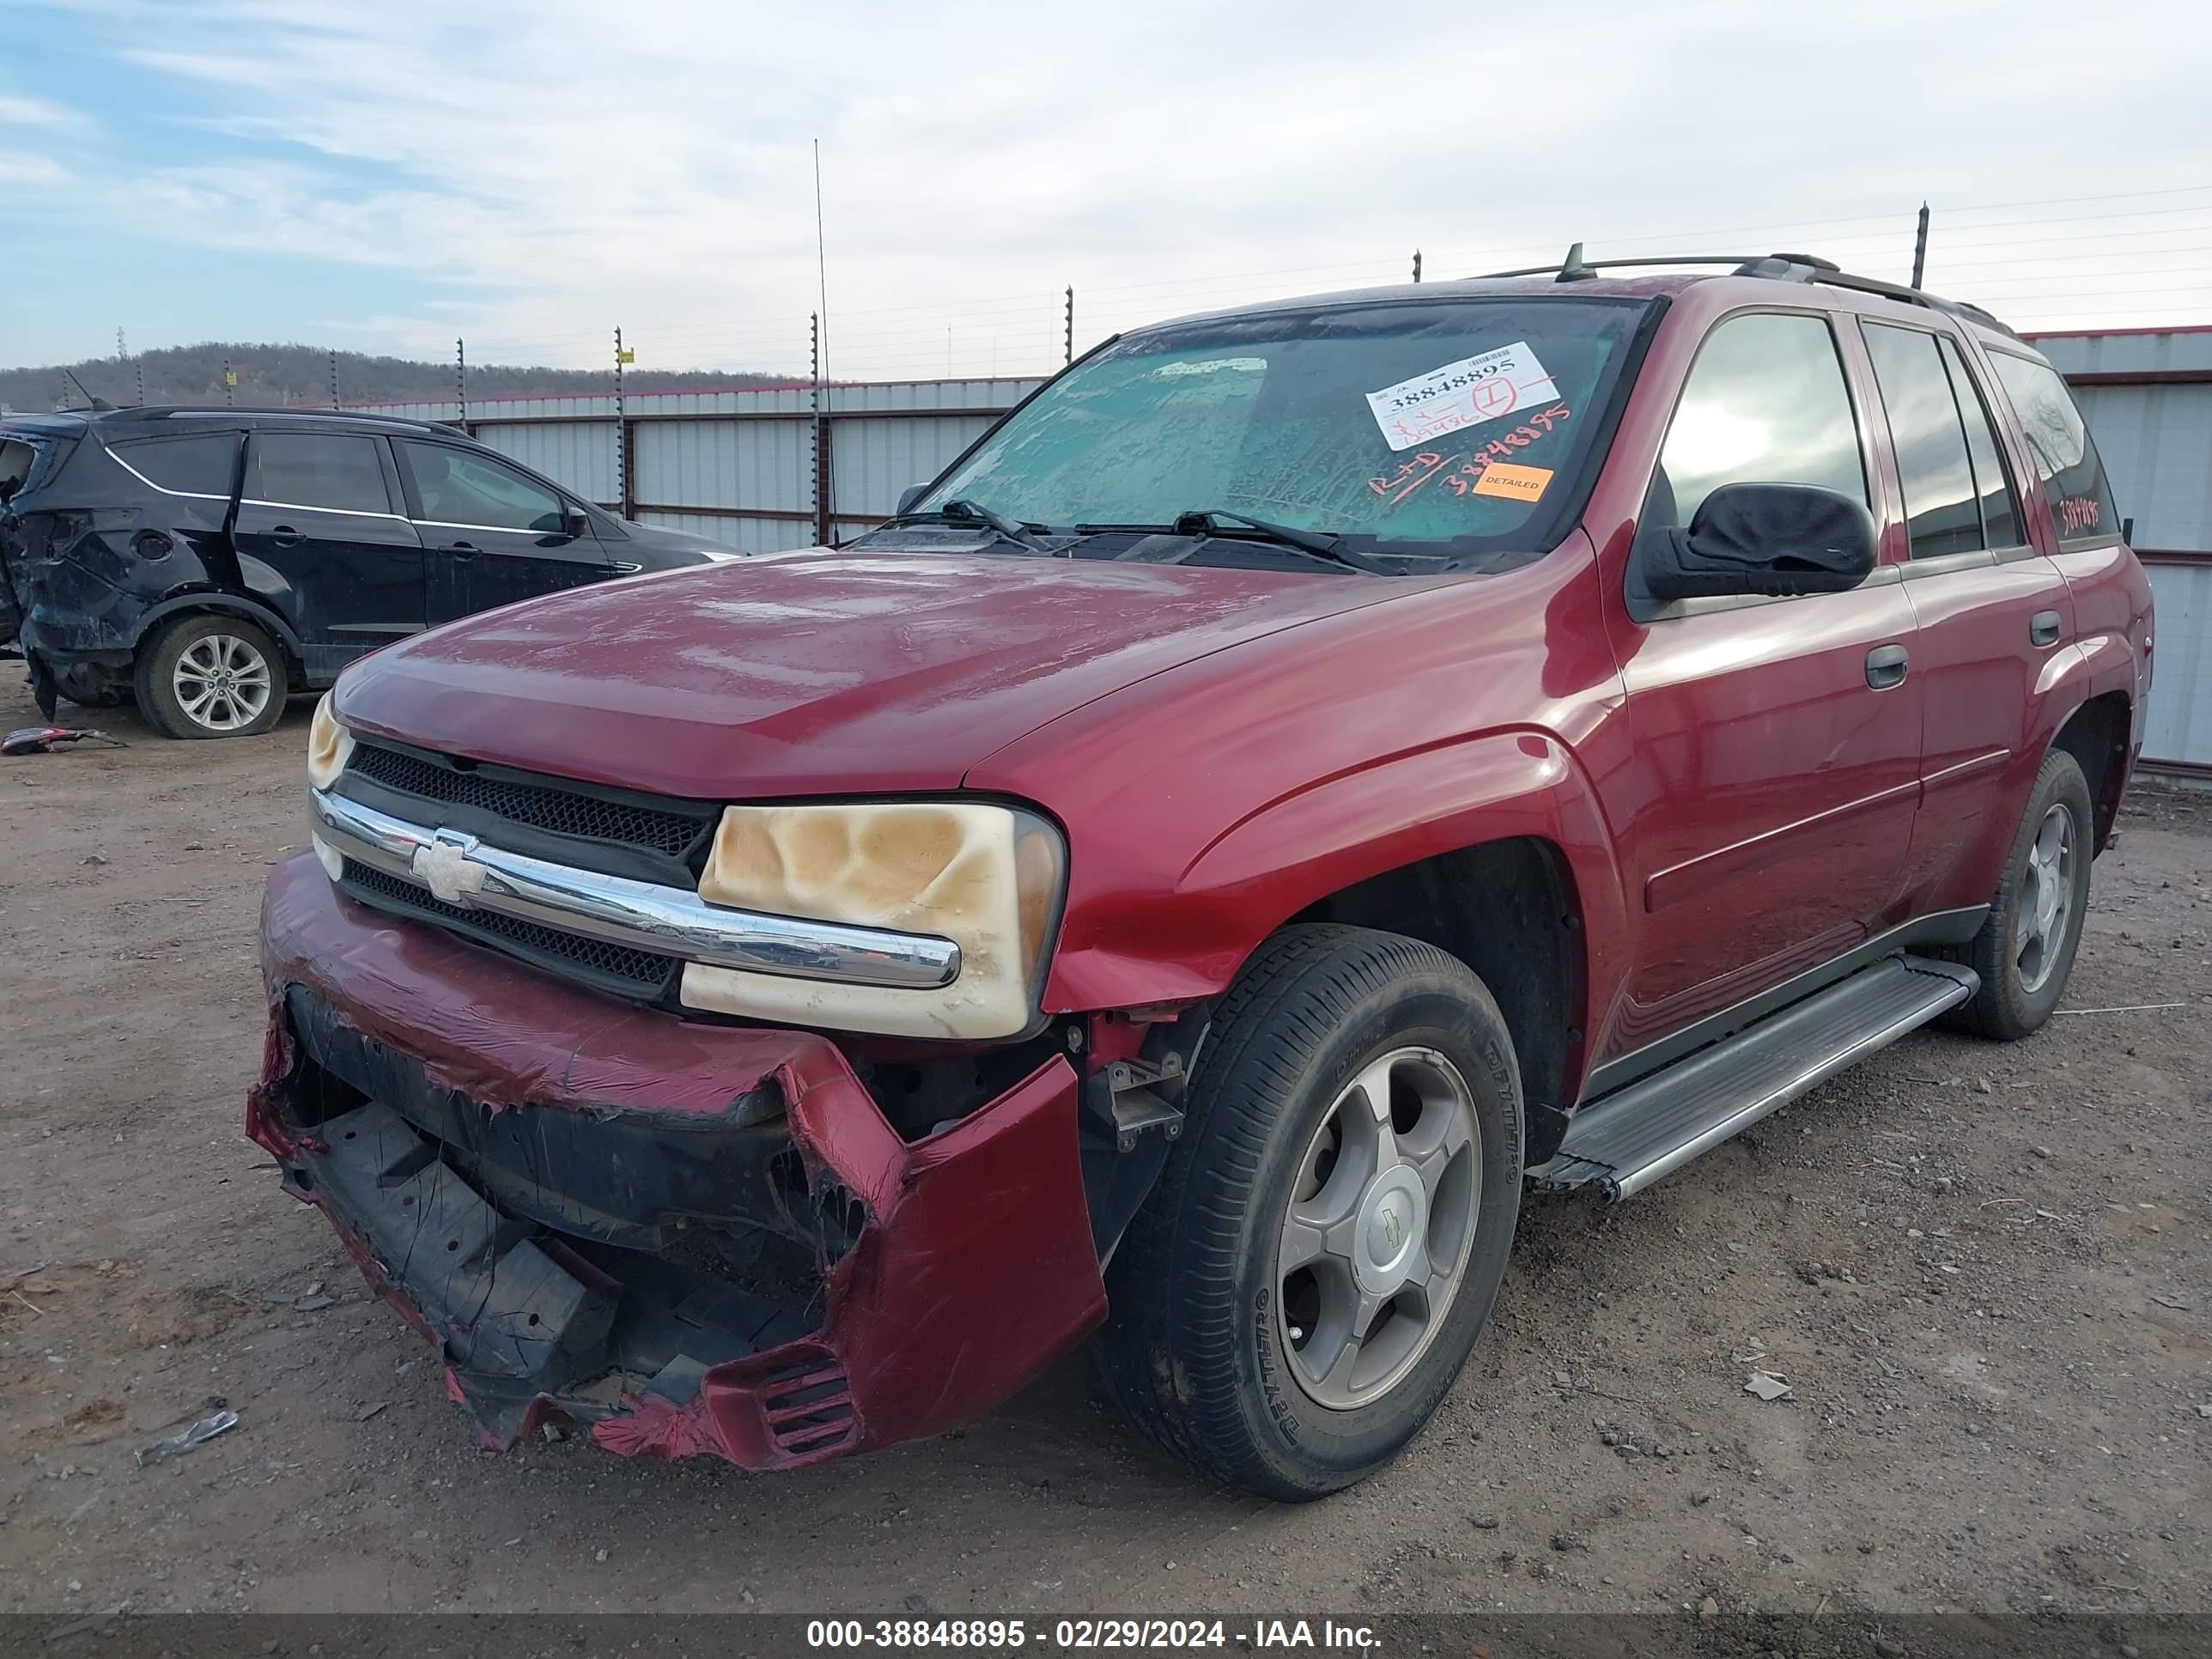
{"x":1773,"y":540}
{"x":908,"y":497}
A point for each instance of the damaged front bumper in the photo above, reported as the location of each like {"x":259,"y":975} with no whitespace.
{"x":694,"y":1237}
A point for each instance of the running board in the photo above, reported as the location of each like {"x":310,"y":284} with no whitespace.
{"x":1626,"y":1141}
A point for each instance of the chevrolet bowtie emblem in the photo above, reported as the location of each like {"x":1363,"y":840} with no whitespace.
{"x":444,"y":866}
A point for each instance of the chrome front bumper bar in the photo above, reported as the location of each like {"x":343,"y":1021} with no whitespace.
{"x":461,"y":871}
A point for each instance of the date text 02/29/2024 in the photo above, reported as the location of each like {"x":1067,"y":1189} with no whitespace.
{"x":1085,"y":1634}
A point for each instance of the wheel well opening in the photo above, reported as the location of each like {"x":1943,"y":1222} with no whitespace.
{"x":1505,"y":908}
{"x":2096,"y":734}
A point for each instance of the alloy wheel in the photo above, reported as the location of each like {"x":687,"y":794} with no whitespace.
{"x":221,"y":682}
{"x":1376,"y":1238}
{"x":2045,"y":898}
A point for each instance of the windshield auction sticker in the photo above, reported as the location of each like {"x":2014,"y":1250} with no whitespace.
{"x":1516,"y":484}
{"x":1462,"y":394}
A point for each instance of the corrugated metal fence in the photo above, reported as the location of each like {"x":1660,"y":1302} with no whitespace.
{"x":2147,"y":394}
{"x":761,"y":469}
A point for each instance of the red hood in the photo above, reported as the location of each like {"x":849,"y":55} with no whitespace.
{"x":819,"y":673}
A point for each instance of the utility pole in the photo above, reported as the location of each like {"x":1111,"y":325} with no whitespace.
{"x":229,"y":384}
{"x":1920,"y":248}
{"x":141,"y":367}
{"x":334,"y":377}
{"x":461,"y":380}
{"x":1417,"y":264}
{"x":122,"y":351}
{"x":1071,"y":323}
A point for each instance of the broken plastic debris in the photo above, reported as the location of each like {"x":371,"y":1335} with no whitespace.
{"x":1767,"y":1386}
{"x":41,"y":739}
{"x":205,"y":1429}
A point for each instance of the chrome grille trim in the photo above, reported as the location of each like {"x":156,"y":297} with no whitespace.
{"x":463,"y":870}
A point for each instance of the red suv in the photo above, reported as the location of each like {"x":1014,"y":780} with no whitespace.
{"x":1307,"y":772}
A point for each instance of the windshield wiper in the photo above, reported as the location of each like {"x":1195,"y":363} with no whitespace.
{"x":1321,"y":544}
{"x":963,"y":511}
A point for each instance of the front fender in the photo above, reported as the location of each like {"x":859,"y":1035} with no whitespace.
{"x":1187,"y":939}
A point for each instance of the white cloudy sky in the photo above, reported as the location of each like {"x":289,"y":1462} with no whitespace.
{"x":531,"y":173}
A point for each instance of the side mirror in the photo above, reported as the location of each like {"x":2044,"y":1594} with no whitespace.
{"x":1770,"y":539}
{"x":908,"y":497}
{"x":575,"y":525}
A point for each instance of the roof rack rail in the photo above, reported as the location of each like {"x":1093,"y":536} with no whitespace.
{"x":224,"y":411}
{"x":1778,"y":267}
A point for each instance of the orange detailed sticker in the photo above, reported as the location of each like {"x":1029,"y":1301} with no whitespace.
{"x":1516,"y":484}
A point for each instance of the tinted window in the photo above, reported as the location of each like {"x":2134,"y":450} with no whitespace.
{"x":2065,"y":458}
{"x":455,"y":487}
{"x":337,"y":472}
{"x":1941,"y":508}
{"x":1765,"y":403}
{"x":1436,"y":430}
{"x":204,"y":465}
{"x":2000,"y":514}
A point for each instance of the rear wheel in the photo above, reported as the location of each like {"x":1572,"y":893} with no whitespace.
{"x":2026,"y":945}
{"x":1297,"y":1295}
{"x":211,"y":677}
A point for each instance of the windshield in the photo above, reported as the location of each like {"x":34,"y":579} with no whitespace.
{"x":1438,"y":428}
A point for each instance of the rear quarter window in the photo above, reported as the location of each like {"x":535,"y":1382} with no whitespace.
{"x":2066,"y":460}
{"x":200,"y":466}
{"x":15,"y":461}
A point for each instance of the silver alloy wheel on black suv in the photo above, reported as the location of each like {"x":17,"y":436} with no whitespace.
{"x":211,"y":677}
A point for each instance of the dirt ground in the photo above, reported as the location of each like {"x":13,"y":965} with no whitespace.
{"x":1984,"y":1271}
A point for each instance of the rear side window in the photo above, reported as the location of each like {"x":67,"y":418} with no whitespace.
{"x":15,"y":461}
{"x":1942,"y":509}
{"x":1765,"y":402}
{"x":2066,"y":460}
{"x":2000,"y":511}
{"x":201,"y":465}
{"x":335,"y":472}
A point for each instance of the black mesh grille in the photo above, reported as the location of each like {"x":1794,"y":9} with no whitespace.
{"x":641,"y":972}
{"x":561,"y":811}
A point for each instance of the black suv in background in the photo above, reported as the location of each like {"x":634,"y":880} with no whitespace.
{"x":212,"y":561}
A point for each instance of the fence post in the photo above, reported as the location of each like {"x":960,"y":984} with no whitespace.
{"x":622,"y":503}
{"x":1920,"y":248}
{"x":1071,"y":324}
{"x":824,"y":485}
{"x":461,"y":383}
{"x":334,"y":377}
{"x":229,"y":385}
{"x":1417,"y":264}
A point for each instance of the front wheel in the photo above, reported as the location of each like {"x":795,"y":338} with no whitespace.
{"x":211,"y":677}
{"x":1296,"y":1296}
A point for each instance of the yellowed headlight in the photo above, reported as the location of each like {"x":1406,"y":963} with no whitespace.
{"x":989,"y":878}
{"x":329,"y":746}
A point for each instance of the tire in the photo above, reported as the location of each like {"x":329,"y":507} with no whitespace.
{"x":2015,"y":999}
{"x":165,"y":674}
{"x":1203,"y":1346}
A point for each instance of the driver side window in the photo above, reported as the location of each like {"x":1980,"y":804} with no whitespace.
{"x":1765,"y":402}
{"x":455,"y":487}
